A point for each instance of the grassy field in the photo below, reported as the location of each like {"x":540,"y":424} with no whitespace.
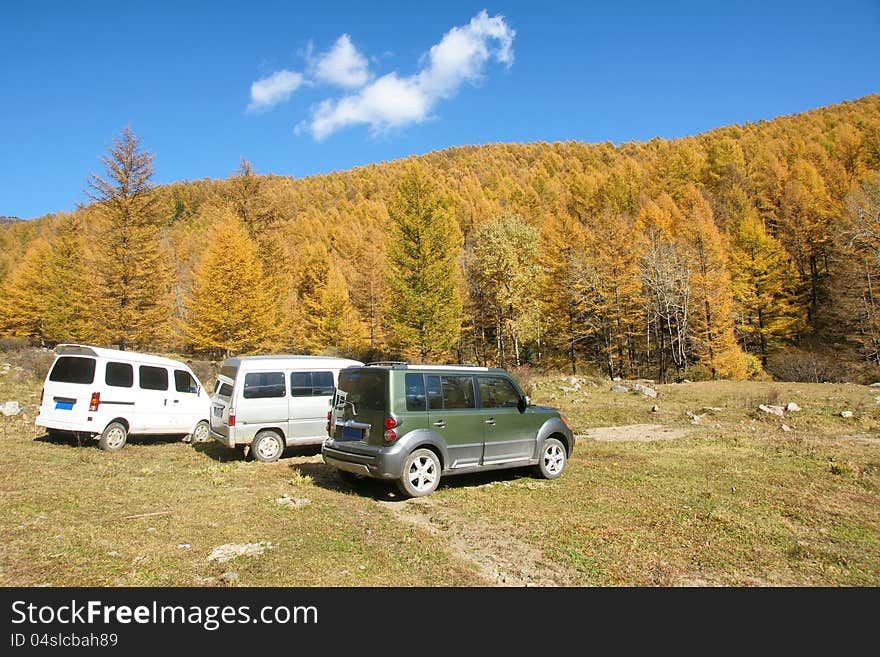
{"x":735,"y":500}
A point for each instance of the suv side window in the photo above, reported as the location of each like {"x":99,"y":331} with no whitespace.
{"x":259,"y":385}
{"x":458,"y":392}
{"x":415,"y":392}
{"x":498,"y":392}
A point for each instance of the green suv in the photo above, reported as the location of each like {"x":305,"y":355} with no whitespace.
{"x":416,"y":423}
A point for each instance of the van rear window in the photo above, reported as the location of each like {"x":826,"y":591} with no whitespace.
{"x":69,"y":369}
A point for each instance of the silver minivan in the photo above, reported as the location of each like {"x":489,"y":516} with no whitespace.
{"x":263,"y":404}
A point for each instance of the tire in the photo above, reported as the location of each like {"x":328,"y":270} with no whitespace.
{"x":201,"y":434}
{"x":421,"y":474}
{"x":553,"y":459}
{"x":267,"y":447}
{"x":113,"y":437}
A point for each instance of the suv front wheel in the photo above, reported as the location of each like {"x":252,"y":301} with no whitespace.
{"x":553,"y":458}
{"x":421,"y":473}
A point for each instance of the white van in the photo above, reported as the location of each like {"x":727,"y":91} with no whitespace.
{"x":110,"y":394}
{"x":266,"y":403}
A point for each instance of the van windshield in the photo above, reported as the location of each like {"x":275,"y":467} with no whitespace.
{"x":70,"y":369}
{"x":364,"y":388}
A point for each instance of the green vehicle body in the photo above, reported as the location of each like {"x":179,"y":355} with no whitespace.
{"x":470,"y":418}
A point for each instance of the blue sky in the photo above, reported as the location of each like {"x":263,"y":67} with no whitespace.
{"x":181,"y":74}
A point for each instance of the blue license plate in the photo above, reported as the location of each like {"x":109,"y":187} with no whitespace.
{"x":350,"y":433}
{"x":64,"y":406}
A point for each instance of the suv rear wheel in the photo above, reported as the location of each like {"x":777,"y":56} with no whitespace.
{"x":421,"y":473}
{"x":553,"y":458}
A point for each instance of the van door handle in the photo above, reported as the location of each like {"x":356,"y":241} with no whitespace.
{"x":176,"y":401}
{"x":440,"y":423}
{"x":491,"y":421}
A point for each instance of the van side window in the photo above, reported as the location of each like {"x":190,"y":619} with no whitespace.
{"x":68,"y":369}
{"x":259,"y":385}
{"x":497,"y":392}
{"x":415,"y":392}
{"x":311,"y":384}
{"x":435,"y":392}
{"x":153,"y":378}
{"x":458,"y":392}
{"x":119,"y":375}
{"x":183,"y":382}
{"x":322,"y":384}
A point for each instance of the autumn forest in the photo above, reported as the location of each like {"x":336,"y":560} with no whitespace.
{"x":750,"y":251}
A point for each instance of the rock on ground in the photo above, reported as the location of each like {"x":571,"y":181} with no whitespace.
{"x":10,"y":408}
{"x":228,"y":551}
{"x":619,"y":389}
{"x":647,"y":391}
{"x":791,"y":407}
{"x":773,"y":410}
{"x":846,"y":413}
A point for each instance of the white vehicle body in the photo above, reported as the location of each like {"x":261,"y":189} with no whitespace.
{"x":89,"y":388}
{"x":284,"y":396}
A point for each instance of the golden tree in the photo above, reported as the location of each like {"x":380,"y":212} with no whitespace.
{"x":230,"y":308}
{"x":134,"y":292}
{"x":23,"y":299}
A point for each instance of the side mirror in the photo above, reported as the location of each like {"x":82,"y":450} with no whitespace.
{"x":524,"y":403}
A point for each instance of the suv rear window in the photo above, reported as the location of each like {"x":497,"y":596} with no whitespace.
{"x":69,"y":369}
{"x":260,"y":385}
{"x":366,"y":389}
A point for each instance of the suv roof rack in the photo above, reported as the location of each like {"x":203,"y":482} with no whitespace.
{"x":387,"y":363}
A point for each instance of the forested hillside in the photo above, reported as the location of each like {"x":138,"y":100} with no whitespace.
{"x":745,"y":250}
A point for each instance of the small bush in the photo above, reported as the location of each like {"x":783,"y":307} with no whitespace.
{"x":12,"y":344}
{"x":807,"y":367}
{"x":525,"y":377}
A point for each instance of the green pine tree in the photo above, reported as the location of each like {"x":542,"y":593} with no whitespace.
{"x":425,"y":307}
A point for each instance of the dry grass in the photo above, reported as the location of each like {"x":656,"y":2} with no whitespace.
{"x":735,"y":502}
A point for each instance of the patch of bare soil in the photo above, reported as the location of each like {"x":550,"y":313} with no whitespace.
{"x":502,"y":558}
{"x":867,"y":439}
{"x":642,"y":433}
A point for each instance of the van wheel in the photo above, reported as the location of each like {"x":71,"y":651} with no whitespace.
{"x":201,"y":433}
{"x":553,"y":459}
{"x":421,"y":474}
{"x":267,"y":446}
{"x":113,"y":438}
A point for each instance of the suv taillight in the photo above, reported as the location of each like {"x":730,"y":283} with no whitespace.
{"x":390,"y":434}
{"x":95,"y":402}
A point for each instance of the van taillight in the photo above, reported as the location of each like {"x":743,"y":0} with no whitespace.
{"x":42,"y":392}
{"x":329,"y":414}
{"x":96,"y":401}
{"x":231,"y":417}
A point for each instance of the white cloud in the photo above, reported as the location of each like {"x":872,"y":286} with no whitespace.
{"x":392,"y":101}
{"x":276,"y":88}
{"x":342,"y":65}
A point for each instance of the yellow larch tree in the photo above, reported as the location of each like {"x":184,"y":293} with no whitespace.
{"x":230,"y":309}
